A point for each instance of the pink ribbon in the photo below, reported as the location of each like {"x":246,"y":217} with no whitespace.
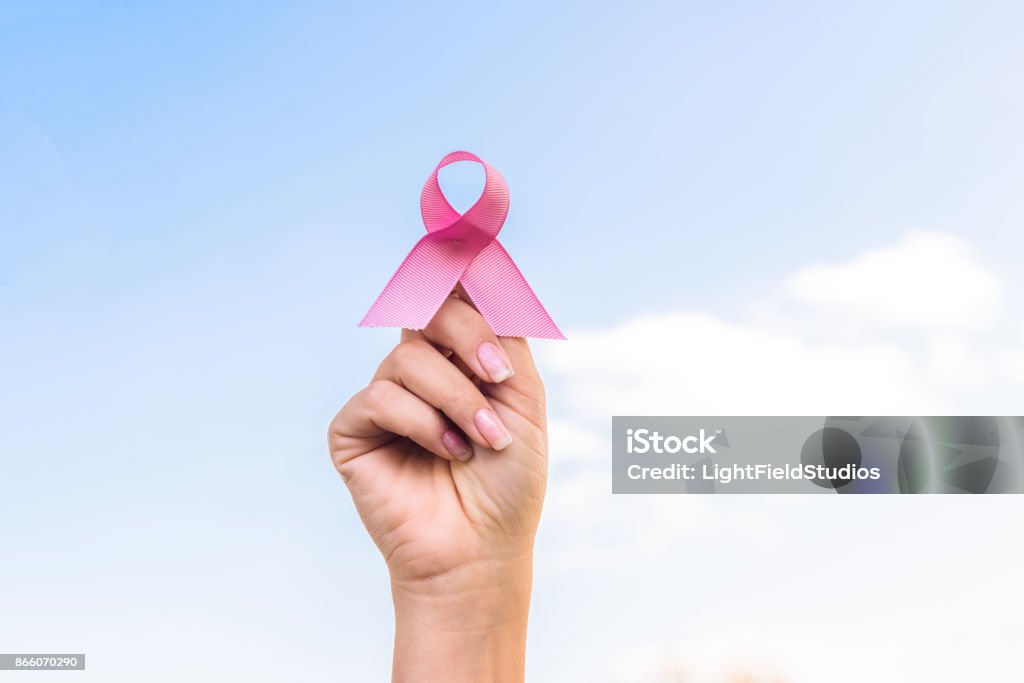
{"x":462,"y":248}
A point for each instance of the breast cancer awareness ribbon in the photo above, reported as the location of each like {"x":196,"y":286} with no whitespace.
{"x":462,"y":248}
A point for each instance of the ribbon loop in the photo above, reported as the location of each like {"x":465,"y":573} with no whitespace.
{"x":462,"y":248}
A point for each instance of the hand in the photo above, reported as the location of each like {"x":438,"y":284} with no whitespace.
{"x":445,"y":455}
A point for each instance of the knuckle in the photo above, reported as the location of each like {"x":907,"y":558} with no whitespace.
{"x":336,"y":429}
{"x":377,"y":393}
{"x":464,"y":399}
{"x":333,"y":430}
{"x":408,"y":352}
{"x":426,"y":424}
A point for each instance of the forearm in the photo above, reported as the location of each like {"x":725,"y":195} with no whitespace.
{"x":465,"y":629}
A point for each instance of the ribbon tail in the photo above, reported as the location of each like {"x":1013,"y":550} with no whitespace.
{"x":504,"y":298}
{"x":420,"y":285}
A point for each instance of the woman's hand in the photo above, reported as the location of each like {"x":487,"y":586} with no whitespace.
{"x":445,"y":455}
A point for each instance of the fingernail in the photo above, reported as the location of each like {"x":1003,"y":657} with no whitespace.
{"x":495,"y":362}
{"x":457,"y":446}
{"x":492,"y":429}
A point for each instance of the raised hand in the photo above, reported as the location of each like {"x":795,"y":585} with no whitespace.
{"x":445,"y":455}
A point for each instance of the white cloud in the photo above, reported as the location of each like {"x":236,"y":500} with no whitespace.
{"x":1014,"y":363}
{"x":573,"y":441}
{"x":794,"y":359}
{"x":793,"y":362}
{"x":929,"y":279}
{"x":929,"y":340}
{"x":809,"y":655}
{"x":694,"y":363}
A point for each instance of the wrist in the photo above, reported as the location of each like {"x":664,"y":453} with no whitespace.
{"x":468,"y":624}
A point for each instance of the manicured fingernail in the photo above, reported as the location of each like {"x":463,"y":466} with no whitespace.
{"x":495,"y":362}
{"x":492,"y":429}
{"x":457,"y":446}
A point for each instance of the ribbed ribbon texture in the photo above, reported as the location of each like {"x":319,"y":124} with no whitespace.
{"x":462,"y":248}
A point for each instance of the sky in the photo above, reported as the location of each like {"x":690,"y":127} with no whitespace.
{"x":729,"y":208}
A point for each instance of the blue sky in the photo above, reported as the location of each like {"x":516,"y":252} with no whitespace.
{"x":198,"y":201}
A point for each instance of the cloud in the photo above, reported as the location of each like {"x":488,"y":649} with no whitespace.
{"x":922,"y":332}
{"x":930,"y":289}
{"x":928,"y":280}
{"x":788,"y":359}
{"x":809,"y":655}
{"x":693,"y":363}
{"x":573,"y":441}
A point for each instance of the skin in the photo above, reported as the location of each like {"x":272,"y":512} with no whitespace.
{"x":457,"y":535}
